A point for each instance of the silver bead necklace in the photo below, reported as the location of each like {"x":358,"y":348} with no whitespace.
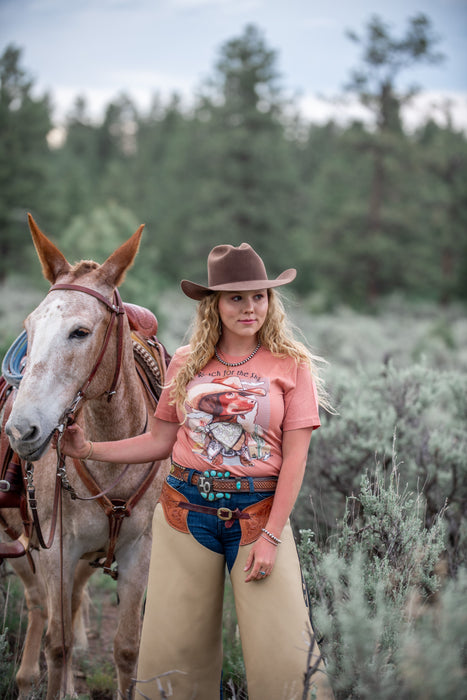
{"x":237,"y":364}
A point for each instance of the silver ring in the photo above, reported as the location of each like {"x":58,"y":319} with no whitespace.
{"x":262,"y":573}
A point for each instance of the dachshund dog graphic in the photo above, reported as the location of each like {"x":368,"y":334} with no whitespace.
{"x":226,"y":404}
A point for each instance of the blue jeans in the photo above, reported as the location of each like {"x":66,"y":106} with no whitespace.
{"x":208,"y":529}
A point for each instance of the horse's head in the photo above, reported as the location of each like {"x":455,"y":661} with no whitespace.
{"x":65,"y":333}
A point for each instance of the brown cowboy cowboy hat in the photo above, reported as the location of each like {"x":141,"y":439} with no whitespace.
{"x":235,"y":269}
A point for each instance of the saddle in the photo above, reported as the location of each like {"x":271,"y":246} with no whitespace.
{"x":151,"y":360}
{"x":141,"y":320}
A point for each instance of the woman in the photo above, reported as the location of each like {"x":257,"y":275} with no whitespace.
{"x":237,"y":417}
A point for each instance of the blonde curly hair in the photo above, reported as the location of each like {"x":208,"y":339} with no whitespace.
{"x":276,"y":335}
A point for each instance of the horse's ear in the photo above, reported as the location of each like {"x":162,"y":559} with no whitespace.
{"x":52,"y":260}
{"x":114,"y":269}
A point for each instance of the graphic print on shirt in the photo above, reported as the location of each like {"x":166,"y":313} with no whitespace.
{"x":222,"y":419}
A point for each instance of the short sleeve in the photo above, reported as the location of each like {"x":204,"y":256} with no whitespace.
{"x":301,"y":406}
{"x":165,"y":409}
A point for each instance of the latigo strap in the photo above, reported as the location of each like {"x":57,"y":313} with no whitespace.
{"x":222,"y":513}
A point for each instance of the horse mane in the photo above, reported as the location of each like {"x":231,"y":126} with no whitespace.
{"x":83,"y":267}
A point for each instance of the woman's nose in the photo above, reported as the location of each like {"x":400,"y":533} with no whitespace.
{"x":248,"y":305}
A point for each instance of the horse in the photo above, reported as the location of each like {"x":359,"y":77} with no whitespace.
{"x":80,"y":366}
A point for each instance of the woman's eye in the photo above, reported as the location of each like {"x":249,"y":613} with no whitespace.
{"x":79,"y":333}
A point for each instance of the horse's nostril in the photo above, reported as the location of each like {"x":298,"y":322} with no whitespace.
{"x":26,"y":433}
{"x":30,"y":434}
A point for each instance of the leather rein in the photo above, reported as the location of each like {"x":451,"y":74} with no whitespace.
{"x":115,"y":509}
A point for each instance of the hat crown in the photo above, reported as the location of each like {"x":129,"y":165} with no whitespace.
{"x":230,"y":265}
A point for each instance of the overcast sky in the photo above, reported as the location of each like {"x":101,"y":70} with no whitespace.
{"x":101,"y":48}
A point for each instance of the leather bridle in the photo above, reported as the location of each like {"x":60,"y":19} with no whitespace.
{"x":117,"y":311}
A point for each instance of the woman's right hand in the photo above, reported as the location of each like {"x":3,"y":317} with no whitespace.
{"x":73,"y":442}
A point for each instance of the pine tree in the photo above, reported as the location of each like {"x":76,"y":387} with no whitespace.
{"x":24,"y":156}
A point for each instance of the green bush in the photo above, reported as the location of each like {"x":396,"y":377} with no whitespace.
{"x":433,"y":652}
{"x":375,"y":587}
{"x":7,"y":681}
{"x":399,"y":332}
{"x":426,"y":410}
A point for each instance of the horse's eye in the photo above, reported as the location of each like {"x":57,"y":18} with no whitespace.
{"x":79,"y":333}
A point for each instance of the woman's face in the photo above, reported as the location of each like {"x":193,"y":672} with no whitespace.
{"x":243,"y":313}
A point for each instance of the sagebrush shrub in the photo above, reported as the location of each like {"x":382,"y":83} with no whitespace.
{"x":363,"y":581}
{"x":427,"y":412}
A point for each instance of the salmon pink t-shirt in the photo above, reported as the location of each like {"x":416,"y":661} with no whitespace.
{"x":236,"y":416}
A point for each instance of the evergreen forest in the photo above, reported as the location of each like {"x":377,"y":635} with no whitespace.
{"x":374,"y":217}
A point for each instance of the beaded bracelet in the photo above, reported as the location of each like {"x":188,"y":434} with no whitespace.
{"x":91,"y":449}
{"x":273,"y":537}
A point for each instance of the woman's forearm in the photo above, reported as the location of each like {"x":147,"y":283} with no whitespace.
{"x":148,"y":447}
{"x":135,"y":450}
{"x":284,"y":501}
{"x":295,"y":451}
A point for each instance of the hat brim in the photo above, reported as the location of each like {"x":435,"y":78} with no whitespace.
{"x":198,"y":291}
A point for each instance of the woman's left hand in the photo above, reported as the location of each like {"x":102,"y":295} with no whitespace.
{"x":261,"y":559}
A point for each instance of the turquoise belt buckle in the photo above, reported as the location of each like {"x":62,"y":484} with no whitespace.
{"x":205,"y":485}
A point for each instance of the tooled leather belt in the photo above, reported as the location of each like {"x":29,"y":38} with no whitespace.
{"x":211,"y":481}
{"x":225,"y":514}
